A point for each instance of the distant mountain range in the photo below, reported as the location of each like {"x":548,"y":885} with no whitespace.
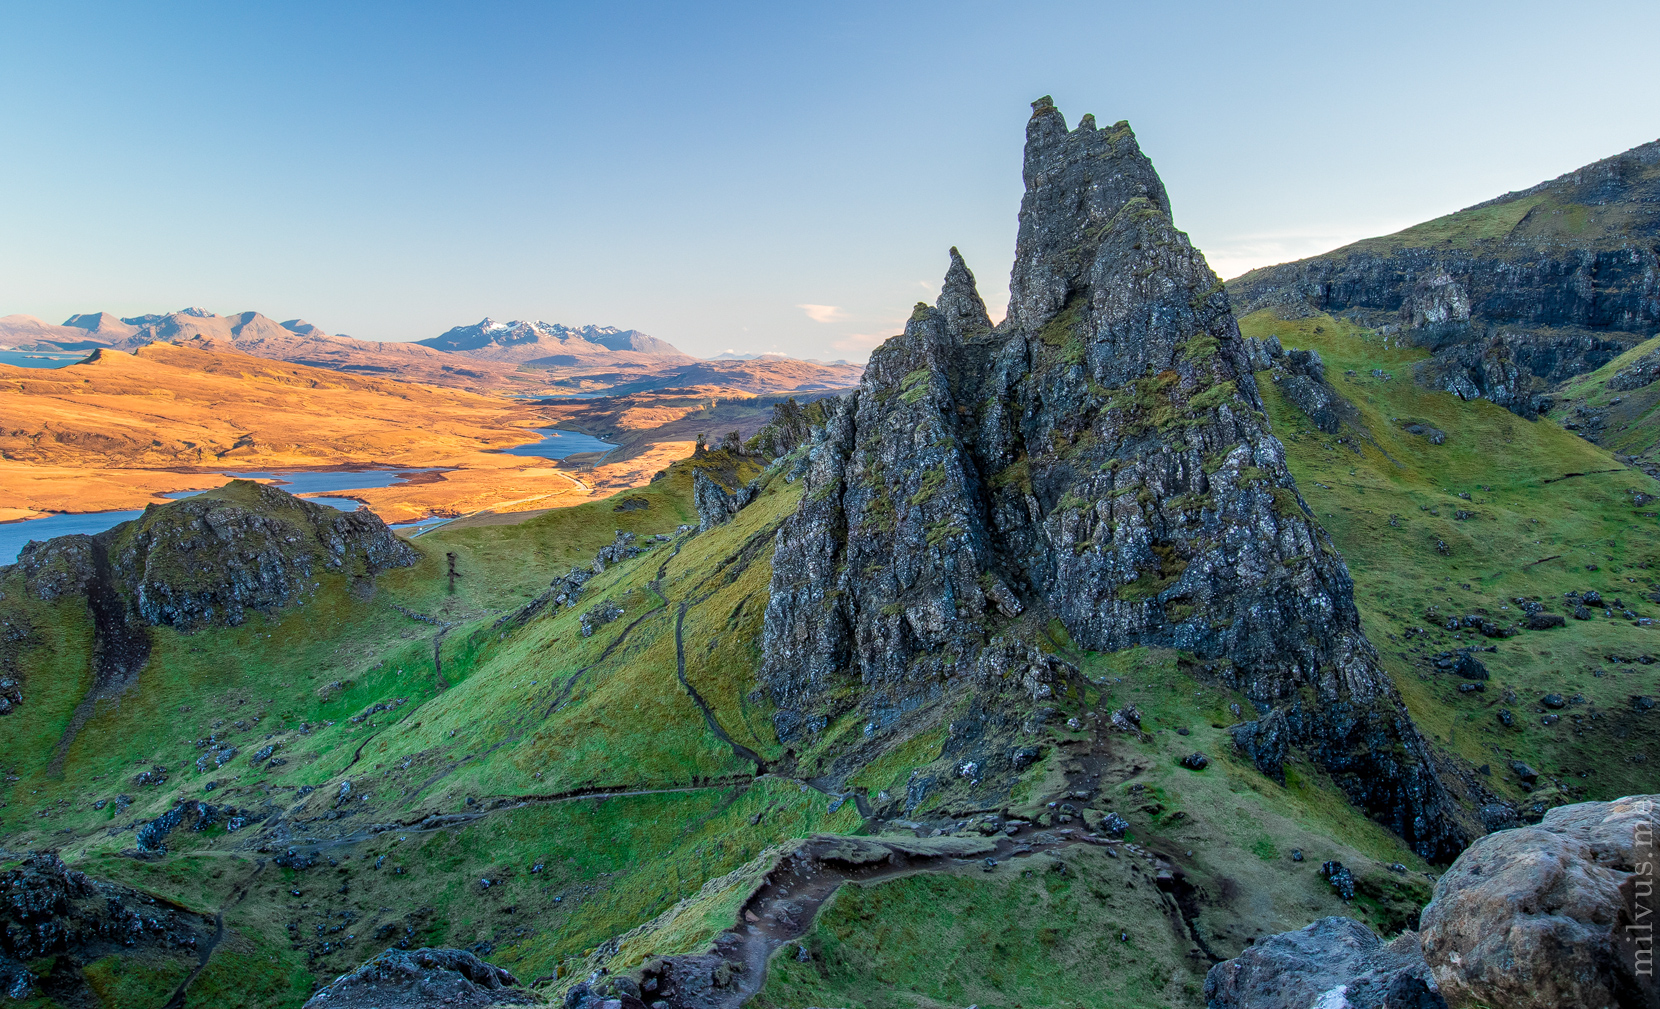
{"x":526,"y":358}
{"x":549,"y":342}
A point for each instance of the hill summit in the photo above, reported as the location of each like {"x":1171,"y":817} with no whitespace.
{"x":1511,"y":295}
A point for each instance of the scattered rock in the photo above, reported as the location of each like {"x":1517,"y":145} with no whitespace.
{"x":417,"y":979}
{"x":1341,"y":879}
{"x":1195,"y":761}
{"x":1470,"y":667}
{"x":1113,"y":825}
{"x":598,"y":616}
{"x":1545,"y":621}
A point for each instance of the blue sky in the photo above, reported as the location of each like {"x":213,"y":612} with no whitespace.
{"x":737,"y":176}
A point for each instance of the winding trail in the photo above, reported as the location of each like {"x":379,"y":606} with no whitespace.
{"x":782,"y":909}
{"x":739,"y":750}
{"x":203,"y":955}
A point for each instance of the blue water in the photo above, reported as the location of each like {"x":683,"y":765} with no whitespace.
{"x":13,"y":535}
{"x":41,"y":359}
{"x":559,"y":444}
{"x":319,"y":482}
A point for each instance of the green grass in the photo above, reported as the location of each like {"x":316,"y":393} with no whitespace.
{"x":527,"y":713}
{"x":1632,"y":425}
{"x":1530,"y":533}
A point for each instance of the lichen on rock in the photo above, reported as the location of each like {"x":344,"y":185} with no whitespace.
{"x":1102,"y":457}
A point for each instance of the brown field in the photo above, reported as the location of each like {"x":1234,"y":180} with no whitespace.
{"x":120,"y":430}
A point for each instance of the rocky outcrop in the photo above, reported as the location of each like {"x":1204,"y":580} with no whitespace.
{"x":53,"y":915}
{"x":1100,"y":457}
{"x":416,"y":979}
{"x":1643,"y":371}
{"x":1561,"y":914}
{"x":1513,"y":294}
{"x":1335,"y":962}
{"x":715,"y":504}
{"x":210,"y":559}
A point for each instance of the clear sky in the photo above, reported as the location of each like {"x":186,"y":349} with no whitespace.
{"x":767,"y":176}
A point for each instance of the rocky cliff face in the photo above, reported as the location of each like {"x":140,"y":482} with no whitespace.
{"x":54,"y":920}
{"x":1100,"y":457}
{"x":209,"y":559}
{"x":1513,"y":294}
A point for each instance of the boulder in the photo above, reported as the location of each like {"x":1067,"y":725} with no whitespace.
{"x":1335,"y":962}
{"x":1470,"y":667}
{"x":416,"y":979}
{"x":1549,"y":916}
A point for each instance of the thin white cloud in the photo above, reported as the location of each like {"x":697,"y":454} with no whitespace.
{"x":823,"y":313}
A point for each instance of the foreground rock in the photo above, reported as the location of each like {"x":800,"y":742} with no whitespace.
{"x":1101,"y":457}
{"x":422,"y":978}
{"x":1542,"y":917}
{"x":1561,"y":914}
{"x":1335,"y":962}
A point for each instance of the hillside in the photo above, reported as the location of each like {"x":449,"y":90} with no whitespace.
{"x":1617,"y":406}
{"x":1513,"y":295}
{"x":1057,"y":662}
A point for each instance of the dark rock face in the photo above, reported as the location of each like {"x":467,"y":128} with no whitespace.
{"x":1555,"y":915}
{"x":210,"y":559}
{"x":1643,"y":371}
{"x":1508,"y":295}
{"x":715,"y":504}
{"x":1301,"y":376}
{"x":1101,"y":457}
{"x":1333,"y":962}
{"x":416,"y":979}
{"x":49,"y":910}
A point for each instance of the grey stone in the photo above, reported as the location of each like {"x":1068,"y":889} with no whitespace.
{"x":1103,"y":455}
{"x":1334,"y":962}
{"x":1538,"y":917}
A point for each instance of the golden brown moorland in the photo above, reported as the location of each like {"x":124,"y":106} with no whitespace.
{"x":121,"y":429}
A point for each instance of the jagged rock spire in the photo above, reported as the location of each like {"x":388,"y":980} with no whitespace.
{"x":1077,"y":182}
{"x":1100,"y":458}
{"x":959,"y":301}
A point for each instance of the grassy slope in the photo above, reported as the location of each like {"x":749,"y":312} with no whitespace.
{"x":1633,"y":417}
{"x":1552,"y":217}
{"x":1531,"y":534}
{"x":610,"y":864}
